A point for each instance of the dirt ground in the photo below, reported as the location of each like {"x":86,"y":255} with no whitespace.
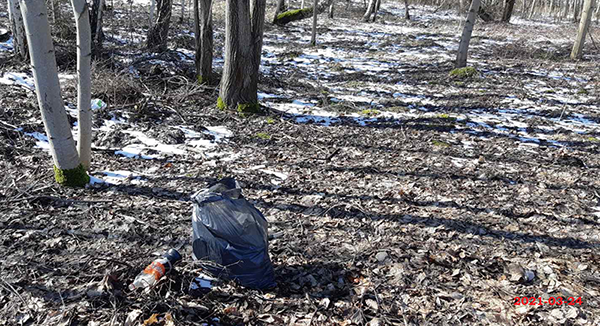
{"x":396,"y":193}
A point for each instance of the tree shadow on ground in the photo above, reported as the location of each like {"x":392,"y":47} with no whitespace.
{"x":461,"y":226}
{"x":442,"y":125}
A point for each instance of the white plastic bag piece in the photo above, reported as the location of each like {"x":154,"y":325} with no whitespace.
{"x":98,"y":104}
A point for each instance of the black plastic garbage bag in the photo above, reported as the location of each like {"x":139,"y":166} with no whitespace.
{"x":232,"y":233}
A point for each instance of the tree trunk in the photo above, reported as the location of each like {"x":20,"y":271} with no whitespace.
{"x":577,"y":10}
{"x":18,"y":30}
{"x":463,"y":48}
{"x":331,"y":9}
{"x":406,"y":13}
{"x":584,"y":25}
{"x":243,"y":46}
{"x":67,"y":166}
{"x":565,"y":12}
{"x":370,"y":9}
{"x":95,"y":19}
{"x":302,"y":5}
{"x":151,"y":14}
{"x":533,"y":5}
{"x":313,"y":39}
{"x":203,"y":31}
{"x":377,"y":5}
{"x":157,"y":35}
{"x":508,"y":10}
{"x":84,"y":85}
{"x":182,"y":11}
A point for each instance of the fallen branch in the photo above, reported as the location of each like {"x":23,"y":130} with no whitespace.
{"x":299,"y":14}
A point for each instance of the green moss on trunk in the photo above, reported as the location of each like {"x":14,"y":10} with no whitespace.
{"x":221,"y":104}
{"x":76,"y":177}
{"x":463,"y":73}
{"x":203,"y":80}
{"x":252,"y":108}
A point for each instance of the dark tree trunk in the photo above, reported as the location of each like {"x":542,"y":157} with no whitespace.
{"x":279,"y":9}
{"x":203,"y":32}
{"x":370,"y":9}
{"x":244,"y":25}
{"x":157,"y":34}
{"x":377,"y":5}
{"x":485,"y":15}
{"x":508,"y":10}
{"x":96,"y":25}
{"x":406,"y":13}
{"x":313,"y":39}
{"x":331,"y":10}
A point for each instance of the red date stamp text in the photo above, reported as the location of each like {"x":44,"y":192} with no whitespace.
{"x":538,"y":301}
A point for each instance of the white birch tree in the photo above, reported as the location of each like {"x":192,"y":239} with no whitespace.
{"x":18,"y":29}
{"x":84,"y":85}
{"x":463,"y":47}
{"x":68,"y":169}
{"x":584,"y":24}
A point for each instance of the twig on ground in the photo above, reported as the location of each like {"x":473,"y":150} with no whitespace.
{"x":31,"y":198}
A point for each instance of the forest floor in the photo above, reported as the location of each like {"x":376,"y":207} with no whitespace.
{"x":396,"y":193}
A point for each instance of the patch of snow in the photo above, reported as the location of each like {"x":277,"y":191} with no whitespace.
{"x":19,"y":79}
{"x":119,"y":177}
{"x":94,"y":180}
{"x":7,"y":46}
{"x":42,"y":140}
{"x":280,"y":175}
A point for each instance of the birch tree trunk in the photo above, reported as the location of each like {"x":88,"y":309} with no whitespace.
{"x":157,"y":35}
{"x":18,"y":30}
{"x":68,"y":169}
{"x":313,"y":39}
{"x":584,"y":25}
{"x":204,"y":40}
{"x":533,"y":5}
{"x":244,"y":25}
{"x":463,"y":47}
{"x":84,"y":84}
{"x":331,"y":10}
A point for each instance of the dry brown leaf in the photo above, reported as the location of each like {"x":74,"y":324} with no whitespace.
{"x":152,"y":320}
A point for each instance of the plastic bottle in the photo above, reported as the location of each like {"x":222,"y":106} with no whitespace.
{"x":157,"y":269}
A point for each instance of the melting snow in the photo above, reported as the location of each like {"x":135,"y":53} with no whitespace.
{"x":17,"y":78}
{"x":7,"y":46}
